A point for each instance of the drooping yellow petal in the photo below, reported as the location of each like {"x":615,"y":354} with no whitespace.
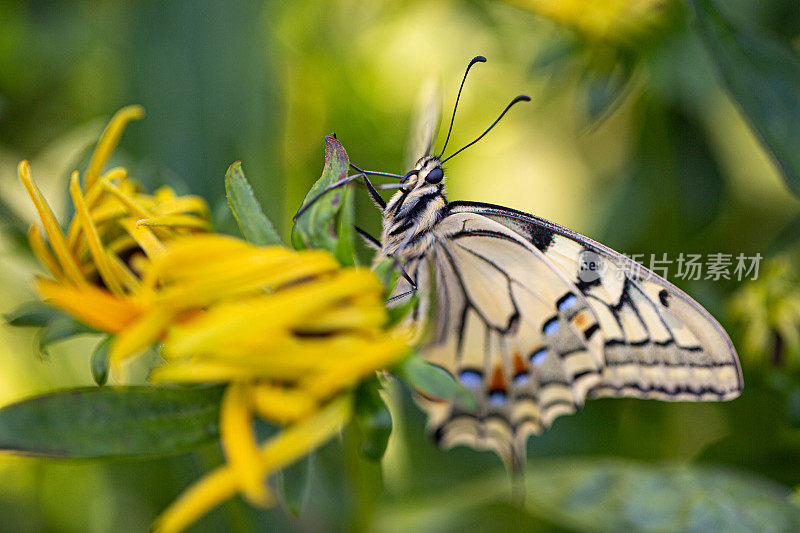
{"x":176,"y":221}
{"x":92,"y":198}
{"x":131,"y":205}
{"x":109,"y":139}
{"x":238,"y":441}
{"x":230,"y":329}
{"x":139,"y":335}
{"x":92,"y":238}
{"x":353,"y":369}
{"x":57,"y":241}
{"x":351,"y":317}
{"x":282,"y":404}
{"x":239,"y":277}
{"x":164,"y":194}
{"x":289,"y":445}
{"x":196,"y":501}
{"x":121,"y":243}
{"x":218,"y":371}
{"x":122,"y":272}
{"x":297,"y":440}
{"x":92,"y":306}
{"x":215,"y":254}
{"x":184,"y":204}
{"x":42,"y":252}
{"x":95,"y":193}
{"x":144,"y":237}
{"x":284,"y":308}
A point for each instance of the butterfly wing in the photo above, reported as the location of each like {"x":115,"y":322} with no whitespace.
{"x":519,"y":317}
{"x":658,"y":342}
{"x":425,"y":125}
{"x":510,"y":327}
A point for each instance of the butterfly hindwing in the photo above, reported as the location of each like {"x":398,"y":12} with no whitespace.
{"x":510,"y":327}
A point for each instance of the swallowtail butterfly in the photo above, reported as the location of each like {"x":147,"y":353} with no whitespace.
{"x":534,"y":318}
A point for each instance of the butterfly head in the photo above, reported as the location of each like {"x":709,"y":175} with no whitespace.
{"x":427,"y":171}
{"x":415,"y":209}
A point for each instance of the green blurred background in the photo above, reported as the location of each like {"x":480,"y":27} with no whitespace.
{"x":630,"y":139}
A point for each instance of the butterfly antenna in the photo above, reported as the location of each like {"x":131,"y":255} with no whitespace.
{"x":520,"y":98}
{"x":476,"y":59}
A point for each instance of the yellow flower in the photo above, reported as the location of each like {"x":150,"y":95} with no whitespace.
{"x":769,"y":309}
{"x":608,"y":20}
{"x":291,"y":332}
{"x":116,"y":229}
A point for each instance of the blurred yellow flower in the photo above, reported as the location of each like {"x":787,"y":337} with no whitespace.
{"x":291,"y":332}
{"x":116,"y":229}
{"x":608,"y":20}
{"x":769,"y":310}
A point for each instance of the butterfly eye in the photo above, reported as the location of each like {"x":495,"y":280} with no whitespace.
{"x":435,"y":175}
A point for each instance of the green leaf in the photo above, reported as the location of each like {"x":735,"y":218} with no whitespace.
{"x":697,"y":173}
{"x":99,"y":362}
{"x":762,"y":74}
{"x":431,"y":380}
{"x":62,"y":327}
{"x":615,"y":495}
{"x":254,"y":224}
{"x":328,"y":220}
{"x":606,"y":90}
{"x":294,"y":480}
{"x":786,"y":239}
{"x":345,"y":250}
{"x":372,"y":419}
{"x":32,"y":314}
{"x":13,"y":225}
{"x":111,"y":422}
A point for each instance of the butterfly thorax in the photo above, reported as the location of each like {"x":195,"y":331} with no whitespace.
{"x":414,"y":210}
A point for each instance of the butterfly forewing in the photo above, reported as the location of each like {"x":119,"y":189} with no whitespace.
{"x":659,"y":343}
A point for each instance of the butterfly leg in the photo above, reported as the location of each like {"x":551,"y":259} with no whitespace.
{"x":374,"y":193}
{"x":335,"y":185}
{"x":403,"y":272}
{"x":372,"y":242}
{"x":410,"y":281}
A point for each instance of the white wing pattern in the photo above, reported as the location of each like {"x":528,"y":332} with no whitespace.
{"x":520,"y":320}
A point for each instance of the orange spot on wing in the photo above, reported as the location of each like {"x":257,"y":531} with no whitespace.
{"x":519,"y":363}
{"x":582,"y":320}
{"x":498,"y":381}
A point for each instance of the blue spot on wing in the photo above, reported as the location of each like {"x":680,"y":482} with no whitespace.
{"x":566,"y":302}
{"x":522,"y":379}
{"x":472,"y":379}
{"x":497,"y":398}
{"x":538,"y":357}
{"x":551,"y":326}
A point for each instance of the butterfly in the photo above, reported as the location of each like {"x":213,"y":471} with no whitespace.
{"x":533,"y":318}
